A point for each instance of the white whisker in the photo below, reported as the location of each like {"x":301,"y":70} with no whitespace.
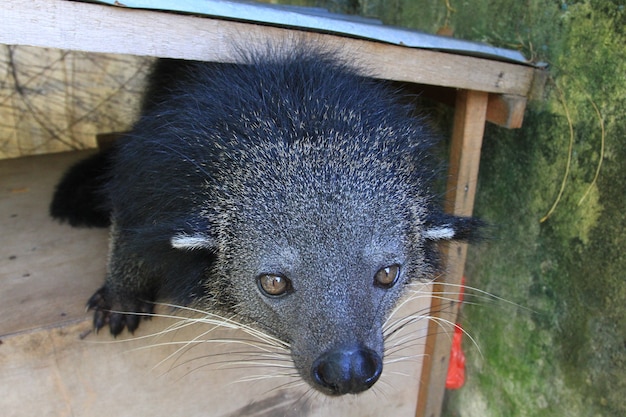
{"x":411,"y":358}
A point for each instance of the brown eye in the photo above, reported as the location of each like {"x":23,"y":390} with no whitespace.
{"x":274,"y":285}
{"x":386,"y":277}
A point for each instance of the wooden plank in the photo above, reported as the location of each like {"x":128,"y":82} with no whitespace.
{"x":506,"y":110}
{"x":54,"y":100}
{"x":60,"y":372}
{"x":467,"y":137}
{"x":52,"y":365}
{"x":47,"y":270}
{"x":469,"y":124}
{"x":98,"y":28}
{"x":540,"y":77}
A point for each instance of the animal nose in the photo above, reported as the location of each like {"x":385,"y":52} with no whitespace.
{"x":347,"y":370}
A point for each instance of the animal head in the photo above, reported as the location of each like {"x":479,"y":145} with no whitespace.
{"x":321,"y":212}
{"x":317,"y":243}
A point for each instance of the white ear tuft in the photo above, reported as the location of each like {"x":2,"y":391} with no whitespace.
{"x":445,"y":232}
{"x":184,"y":241}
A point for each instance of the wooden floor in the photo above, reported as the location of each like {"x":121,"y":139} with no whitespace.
{"x":51,"y":364}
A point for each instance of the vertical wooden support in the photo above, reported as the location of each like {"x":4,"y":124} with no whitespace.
{"x":469,"y":125}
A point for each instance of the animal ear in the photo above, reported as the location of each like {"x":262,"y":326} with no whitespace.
{"x":185,"y":241}
{"x":193,"y":235}
{"x":449,"y":227}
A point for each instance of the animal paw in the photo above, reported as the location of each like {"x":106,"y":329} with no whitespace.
{"x":117,"y":314}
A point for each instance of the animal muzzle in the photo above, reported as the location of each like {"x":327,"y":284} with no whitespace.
{"x":347,"y":370}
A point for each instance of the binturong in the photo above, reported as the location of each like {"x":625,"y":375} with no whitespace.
{"x":292,"y":192}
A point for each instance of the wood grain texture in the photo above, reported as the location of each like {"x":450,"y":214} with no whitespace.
{"x":97,"y":28}
{"x":47,"y":270}
{"x":506,"y":110}
{"x":467,"y":135}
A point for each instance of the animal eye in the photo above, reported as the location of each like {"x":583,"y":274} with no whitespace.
{"x":274,"y":285}
{"x":386,"y":277}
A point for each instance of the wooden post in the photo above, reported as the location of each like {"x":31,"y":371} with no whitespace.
{"x":469,"y":125}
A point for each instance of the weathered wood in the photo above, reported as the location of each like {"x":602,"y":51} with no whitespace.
{"x":96,"y":28}
{"x":52,"y":365}
{"x":47,"y":270}
{"x":540,"y":78}
{"x":467,"y":135}
{"x":55,"y":100}
{"x":502,"y":109}
{"x":506,"y":110}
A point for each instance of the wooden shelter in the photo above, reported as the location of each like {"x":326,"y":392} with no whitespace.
{"x":51,"y":365}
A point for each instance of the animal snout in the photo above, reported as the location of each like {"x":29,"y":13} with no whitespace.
{"x":347,"y":370}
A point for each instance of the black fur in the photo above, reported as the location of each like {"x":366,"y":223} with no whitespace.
{"x":294,"y":164}
{"x":79,"y":197}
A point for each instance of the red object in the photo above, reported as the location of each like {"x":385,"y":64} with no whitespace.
{"x":456,"y":368}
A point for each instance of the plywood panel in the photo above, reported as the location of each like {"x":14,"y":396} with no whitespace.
{"x":47,"y":270}
{"x":54,"y":100}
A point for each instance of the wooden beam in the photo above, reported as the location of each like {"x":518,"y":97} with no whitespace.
{"x":506,"y":110}
{"x":467,"y":136}
{"x":99,"y":28}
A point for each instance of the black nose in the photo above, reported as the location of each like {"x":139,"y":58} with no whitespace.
{"x":347,"y":370}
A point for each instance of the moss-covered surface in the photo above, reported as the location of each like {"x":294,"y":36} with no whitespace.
{"x":566,"y":354}
{"x":562,"y":350}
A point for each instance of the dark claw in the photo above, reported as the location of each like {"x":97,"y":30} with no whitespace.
{"x":107,"y":312}
{"x":99,"y":319}
{"x":98,"y":300}
{"x":117,"y":322}
{"x":132,"y":322}
{"x":102,"y":309}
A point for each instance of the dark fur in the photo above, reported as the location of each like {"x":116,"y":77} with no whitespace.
{"x":78,"y":198}
{"x":294,"y":164}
